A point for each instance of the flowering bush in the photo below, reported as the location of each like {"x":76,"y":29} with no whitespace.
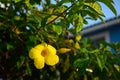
{"x":41,"y":40}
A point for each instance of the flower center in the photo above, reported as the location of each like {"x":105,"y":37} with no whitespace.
{"x":44,"y":53}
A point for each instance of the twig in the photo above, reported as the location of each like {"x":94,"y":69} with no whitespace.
{"x":60,"y":14}
{"x":57,"y":17}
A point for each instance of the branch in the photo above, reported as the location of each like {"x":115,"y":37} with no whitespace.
{"x":57,"y":16}
{"x":60,"y":14}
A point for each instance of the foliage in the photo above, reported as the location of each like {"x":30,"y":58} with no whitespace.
{"x":27,"y":23}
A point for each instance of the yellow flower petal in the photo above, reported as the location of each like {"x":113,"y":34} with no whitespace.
{"x":34,"y":53}
{"x":39,"y":62}
{"x":40,"y":47}
{"x":51,"y":59}
{"x":51,"y":50}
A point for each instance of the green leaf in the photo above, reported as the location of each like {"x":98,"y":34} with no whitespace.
{"x":79,"y":24}
{"x":9,"y":46}
{"x":16,"y":1}
{"x":31,"y":41}
{"x":43,"y":22}
{"x":81,"y":64}
{"x":34,"y":17}
{"x":66,"y":64}
{"x":20,"y":62}
{"x":75,"y":17}
{"x":52,"y":37}
{"x":93,"y":15}
{"x":57,"y":29}
{"x":32,"y":38}
{"x":96,"y":7}
{"x":109,"y":4}
{"x":28,"y":69}
{"x":85,"y":21}
{"x":59,"y":3}
{"x":101,"y":61}
{"x":79,"y":27}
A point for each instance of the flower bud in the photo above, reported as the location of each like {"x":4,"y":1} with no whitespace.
{"x":64,"y":50}
{"x":78,"y":37}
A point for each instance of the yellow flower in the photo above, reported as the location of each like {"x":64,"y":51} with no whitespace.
{"x":42,"y":54}
{"x":78,"y":37}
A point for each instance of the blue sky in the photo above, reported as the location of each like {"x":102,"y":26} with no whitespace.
{"x":108,"y":13}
